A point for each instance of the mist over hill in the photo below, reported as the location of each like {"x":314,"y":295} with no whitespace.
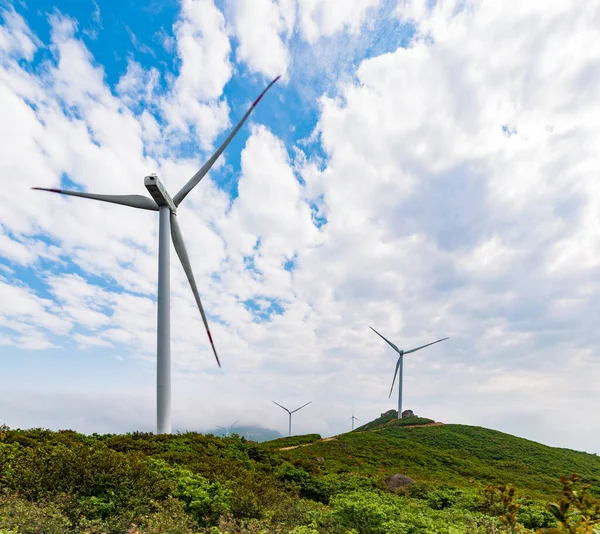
{"x":251,"y":433}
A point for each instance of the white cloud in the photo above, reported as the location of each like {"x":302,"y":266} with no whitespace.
{"x":319,"y":18}
{"x":203,"y":49}
{"x":16,"y":39}
{"x":137,"y":85}
{"x":263,"y":28}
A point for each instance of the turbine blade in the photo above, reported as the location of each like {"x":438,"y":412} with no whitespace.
{"x":386,"y":340}
{"x":194,"y":180}
{"x":423,"y":346}
{"x":133,"y":201}
{"x":395,"y":373}
{"x":179,"y":245}
{"x":235,"y":423}
{"x":221,"y":427}
{"x":282,"y":406}
{"x":301,"y":407}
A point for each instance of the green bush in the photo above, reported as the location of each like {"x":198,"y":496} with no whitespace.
{"x":364,"y":511}
{"x":203,"y":500}
{"x":18,"y":515}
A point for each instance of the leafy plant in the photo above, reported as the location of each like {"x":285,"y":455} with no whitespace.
{"x":577,"y":512}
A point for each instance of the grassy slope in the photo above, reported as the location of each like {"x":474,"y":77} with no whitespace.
{"x":110,"y":482}
{"x":456,"y":455}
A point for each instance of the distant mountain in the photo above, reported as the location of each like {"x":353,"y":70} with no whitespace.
{"x":251,"y":433}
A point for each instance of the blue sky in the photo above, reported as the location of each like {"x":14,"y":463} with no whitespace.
{"x":424,"y":168}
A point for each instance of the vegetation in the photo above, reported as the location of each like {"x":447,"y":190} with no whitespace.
{"x":64,"y":482}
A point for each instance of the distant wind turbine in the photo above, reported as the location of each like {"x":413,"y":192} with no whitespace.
{"x":354,"y":419}
{"x":227,"y":428}
{"x":290,"y":413}
{"x":398,"y":370}
{"x":162,"y":202}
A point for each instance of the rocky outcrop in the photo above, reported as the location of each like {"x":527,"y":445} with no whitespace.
{"x":408,"y":413}
{"x":397,"y":481}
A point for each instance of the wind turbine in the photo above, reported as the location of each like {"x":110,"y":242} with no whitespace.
{"x":398,"y":370}
{"x":227,"y":428}
{"x":290,"y":413}
{"x":354,"y":419}
{"x":162,"y":202}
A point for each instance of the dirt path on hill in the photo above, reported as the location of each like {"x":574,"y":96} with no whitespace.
{"x":375,"y":430}
{"x":306,"y":444}
{"x":426,"y":424}
{"x":403,"y":426}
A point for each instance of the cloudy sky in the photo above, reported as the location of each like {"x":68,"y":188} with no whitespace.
{"x":428,"y":168}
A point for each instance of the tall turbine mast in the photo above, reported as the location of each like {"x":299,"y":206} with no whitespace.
{"x":399,"y":363}
{"x":290,"y":413}
{"x":162,"y":202}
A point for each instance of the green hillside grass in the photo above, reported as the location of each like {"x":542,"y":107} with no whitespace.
{"x":456,"y":455}
{"x":67,"y":483}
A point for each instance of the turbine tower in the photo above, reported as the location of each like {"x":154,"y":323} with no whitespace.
{"x":398,"y":370}
{"x":290,"y":413}
{"x":162,"y":202}
{"x":227,"y":428}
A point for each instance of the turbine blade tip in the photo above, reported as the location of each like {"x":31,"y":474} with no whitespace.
{"x":47,"y":189}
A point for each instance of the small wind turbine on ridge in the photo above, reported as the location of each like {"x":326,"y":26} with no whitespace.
{"x":399,"y":363}
{"x":354,"y":419}
{"x":166,"y":206}
{"x":227,"y":428}
{"x":290,"y":413}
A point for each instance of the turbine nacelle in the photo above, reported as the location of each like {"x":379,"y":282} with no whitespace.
{"x":398,"y":370}
{"x":159,"y":193}
{"x":290,"y":412}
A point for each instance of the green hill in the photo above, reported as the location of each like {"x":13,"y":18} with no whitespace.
{"x":64,"y":482}
{"x":458,"y":455}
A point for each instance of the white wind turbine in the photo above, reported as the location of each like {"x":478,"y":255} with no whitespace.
{"x":227,"y":428}
{"x":290,"y":413}
{"x":162,"y":202}
{"x":398,"y":370}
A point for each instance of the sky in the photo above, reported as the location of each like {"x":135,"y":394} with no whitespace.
{"x":428,"y":168}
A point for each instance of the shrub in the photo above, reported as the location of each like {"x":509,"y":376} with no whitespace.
{"x":18,"y":515}
{"x":364,"y":511}
{"x":204,"y":500}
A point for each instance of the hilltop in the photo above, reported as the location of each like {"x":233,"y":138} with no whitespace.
{"x":64,"y":482}
{"x":390,"y":419}
{"x":448,"y":454}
